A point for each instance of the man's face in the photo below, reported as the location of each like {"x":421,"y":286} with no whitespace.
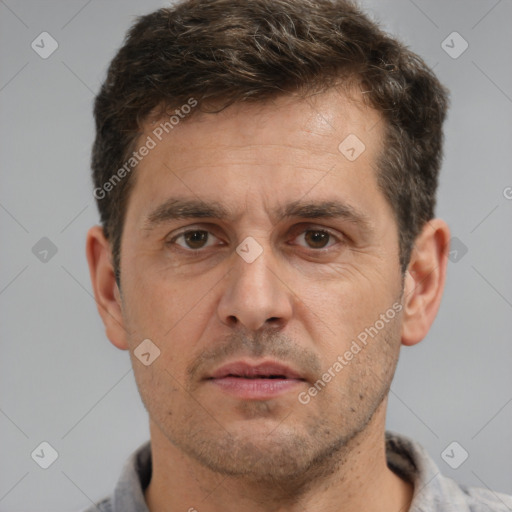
{"x":245,"y":335}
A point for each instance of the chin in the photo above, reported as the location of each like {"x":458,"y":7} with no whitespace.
{"x":264,"y":452}
{"x":260,"y":458}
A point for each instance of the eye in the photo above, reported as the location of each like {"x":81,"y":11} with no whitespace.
{"x":193,"y":239}
{"x":318,"y":238}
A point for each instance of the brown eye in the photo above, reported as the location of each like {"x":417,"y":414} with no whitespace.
{"x":193,"y":239}
{"x":196,"y":239}
{"x":318,"y":238}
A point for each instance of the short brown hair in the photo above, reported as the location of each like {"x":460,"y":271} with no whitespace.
{"x":231,"y":51}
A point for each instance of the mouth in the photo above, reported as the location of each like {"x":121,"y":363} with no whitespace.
{"x":255,"y":381}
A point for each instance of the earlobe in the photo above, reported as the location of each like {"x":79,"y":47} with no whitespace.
{"x":424,"y":281}
{"x":106,"y":291}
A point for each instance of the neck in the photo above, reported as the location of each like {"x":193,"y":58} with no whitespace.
{"x":358,"y":481}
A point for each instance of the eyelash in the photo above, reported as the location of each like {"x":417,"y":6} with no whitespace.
{"x":172,"y":241}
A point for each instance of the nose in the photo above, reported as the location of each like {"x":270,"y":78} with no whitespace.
{"x":256,"y":295}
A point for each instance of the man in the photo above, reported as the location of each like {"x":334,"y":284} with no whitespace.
{"x":265,"y":173}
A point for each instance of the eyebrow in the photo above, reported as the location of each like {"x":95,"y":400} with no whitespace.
{"x":189,"y":208}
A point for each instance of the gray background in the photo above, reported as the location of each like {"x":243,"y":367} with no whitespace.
{"x":64,"y":383}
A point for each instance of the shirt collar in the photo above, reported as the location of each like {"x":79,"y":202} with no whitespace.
{"x":432,"y":491}
{"x":135,"y":476}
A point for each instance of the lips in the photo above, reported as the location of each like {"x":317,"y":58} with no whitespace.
{"x":248,"y":381}
{"x":244,"y":370}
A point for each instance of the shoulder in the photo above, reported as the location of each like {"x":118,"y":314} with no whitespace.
{"x":105,"y":505}
{"x":433,"y":491}
{"x":485,"y":500}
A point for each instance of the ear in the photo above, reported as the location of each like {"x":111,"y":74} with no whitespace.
{"x":424,"y":280}
{"x":106,"y":291}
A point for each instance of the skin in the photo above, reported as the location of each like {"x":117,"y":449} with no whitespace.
{"x":302,"y":302}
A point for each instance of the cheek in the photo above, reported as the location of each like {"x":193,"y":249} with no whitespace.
{"x":159,"y":307}
{"x":174,"y":317}
{"x":340,"y":308}
{"x":159,"y":389}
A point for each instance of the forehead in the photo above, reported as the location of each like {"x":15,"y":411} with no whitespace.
{"x":309,"y":123}
{"x":280,"y":147}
